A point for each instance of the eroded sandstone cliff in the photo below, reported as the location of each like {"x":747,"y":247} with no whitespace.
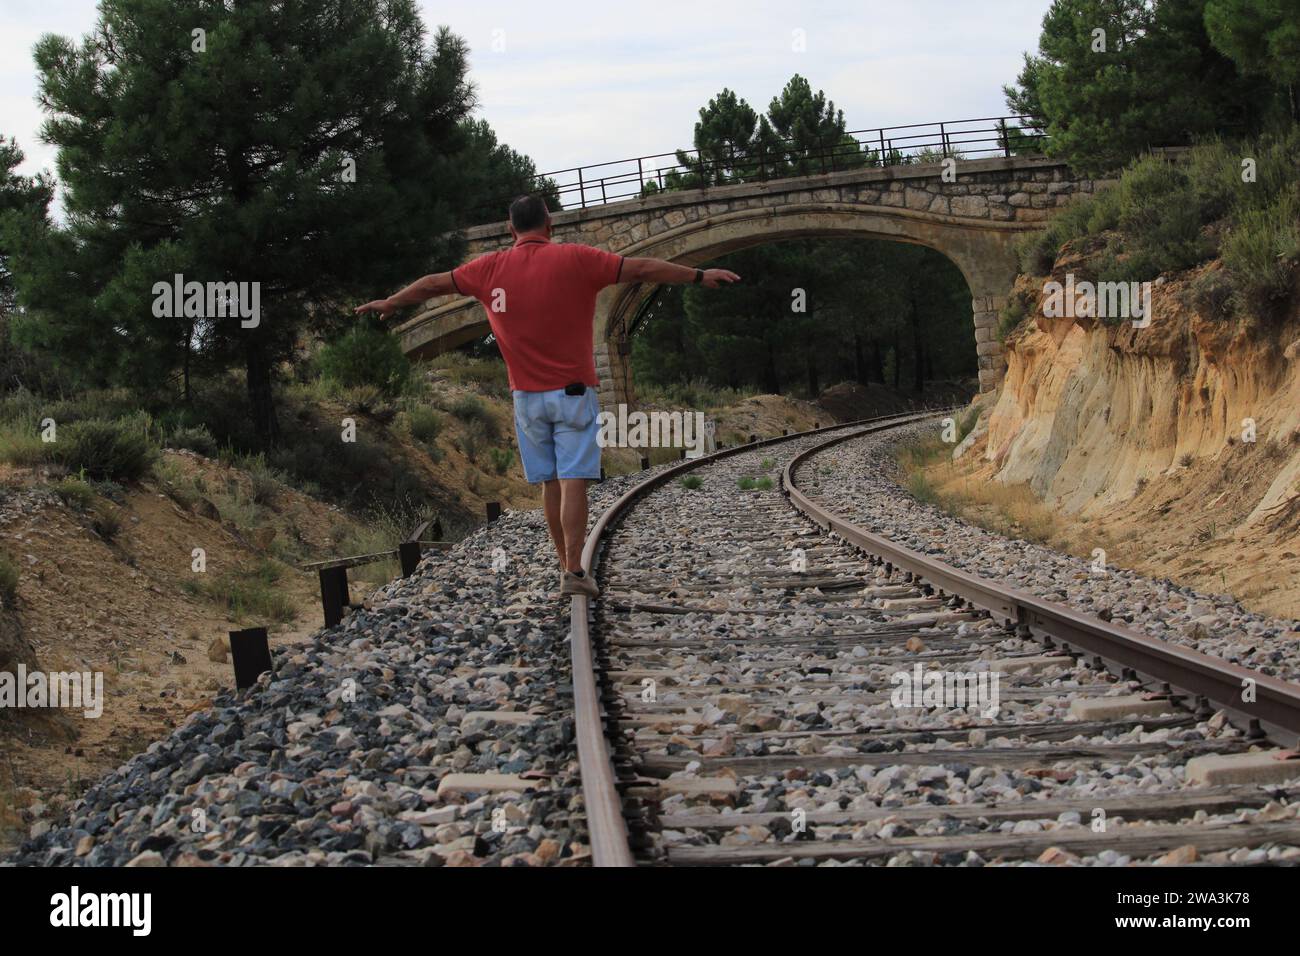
{"x":1177,"y":443}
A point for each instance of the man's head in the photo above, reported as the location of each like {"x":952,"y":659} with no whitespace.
{"x":529,"y":216}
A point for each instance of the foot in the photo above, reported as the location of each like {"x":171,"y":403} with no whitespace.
{"x":570,"y":584}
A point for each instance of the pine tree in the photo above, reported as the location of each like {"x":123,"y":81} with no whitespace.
{"x":24,"y":204}
{"x":1115,"y":77}
{"x":312,"y":148}
{"x":1262,"y":37}
{"x":24,"y":207}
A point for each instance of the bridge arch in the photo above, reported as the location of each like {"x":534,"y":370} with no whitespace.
{"x":986,"y":260}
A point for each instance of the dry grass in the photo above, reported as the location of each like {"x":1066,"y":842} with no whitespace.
{"x":1011,"y":510}
{"x":627,"y":461}
{"x":931,"y":476}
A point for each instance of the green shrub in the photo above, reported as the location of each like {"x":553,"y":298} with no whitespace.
{"x":1211,"y":294}
{"x":1158,"y":211}
{"x":182,"y":489}
{"x":1260,"y":254}
{"x":746,"y":484}
{"x":921,"y":489}
{"x":470,"y":408}
{"x":1009,"y":319}
{"x":425,"y":424}
{"x":1277,"y":158}
{"x":1084,"y":217}
{"x":117,"y":450}
{"x":195,"y":438}
{"x":237,"y":506}
{"x":768,"y":464}
{"x":692,"y":482}
{"x":110,"y":490}
{"x":266,"y":481}
{"x":1214,"y":169}
{"x":365,"y":356}
{"x":252,"y":593}
{"x":502,"y":459}
{"x":764,"y":484}
{"x":75,"y":492}
{"x":104,"y":519}
{"x":8,"y":581}
{"x":1161,"y":219}
{"x":473,"y":438}
{"x":353,"y":473}
{"x":921,"y":453}
{"x":21,"y":407}
{"x":365,"y":400}
{"x":1157,"y":217}
{"x":24,"y":449}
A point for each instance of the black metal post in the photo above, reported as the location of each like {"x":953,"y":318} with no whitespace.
{"x":250,"y":652}
{"x":409,"y":552}
{"x":493,"y":509}
{"x":333,"y":594}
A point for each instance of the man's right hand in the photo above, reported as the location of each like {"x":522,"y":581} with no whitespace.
{"x":718,"y":277}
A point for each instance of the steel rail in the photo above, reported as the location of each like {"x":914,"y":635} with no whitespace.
{"x":1274,"y":712}
{"x":606,"y":827}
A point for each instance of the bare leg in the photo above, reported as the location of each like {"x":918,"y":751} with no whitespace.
{"x":551,"y":506}
{"x":573,"y":519}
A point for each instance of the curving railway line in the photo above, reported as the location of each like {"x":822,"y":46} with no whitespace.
{"x":764,"y":682}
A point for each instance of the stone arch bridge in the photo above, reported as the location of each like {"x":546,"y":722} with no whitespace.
{"x":973,"y":220}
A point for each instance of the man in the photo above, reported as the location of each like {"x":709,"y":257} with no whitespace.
{"x":540,"y":299}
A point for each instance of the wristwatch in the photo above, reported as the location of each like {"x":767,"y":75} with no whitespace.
{"x":699,"y":276}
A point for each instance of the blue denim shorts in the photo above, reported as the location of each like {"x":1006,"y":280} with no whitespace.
{"x":557,"y":434}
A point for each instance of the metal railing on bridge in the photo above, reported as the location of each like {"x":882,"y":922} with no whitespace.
{"x":601,"y":183}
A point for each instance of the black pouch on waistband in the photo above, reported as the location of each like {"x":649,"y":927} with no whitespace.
{"x":577,"y":388}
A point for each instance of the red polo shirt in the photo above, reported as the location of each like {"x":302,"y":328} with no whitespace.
{"x":540,"y":298}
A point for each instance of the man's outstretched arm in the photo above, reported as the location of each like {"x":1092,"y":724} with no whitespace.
{"x":418,"y":291}
{"x":663,"y":271}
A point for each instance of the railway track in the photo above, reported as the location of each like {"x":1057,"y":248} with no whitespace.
{"x":751,"y":689}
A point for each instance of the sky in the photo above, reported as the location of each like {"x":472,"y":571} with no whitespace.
{"x":574,"y":83}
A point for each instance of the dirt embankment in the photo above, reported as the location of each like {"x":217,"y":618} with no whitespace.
{"x":117,"y":591}
{"x":1175,"y":448}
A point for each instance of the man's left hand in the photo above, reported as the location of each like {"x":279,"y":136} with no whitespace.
{"x":382,"y":306}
